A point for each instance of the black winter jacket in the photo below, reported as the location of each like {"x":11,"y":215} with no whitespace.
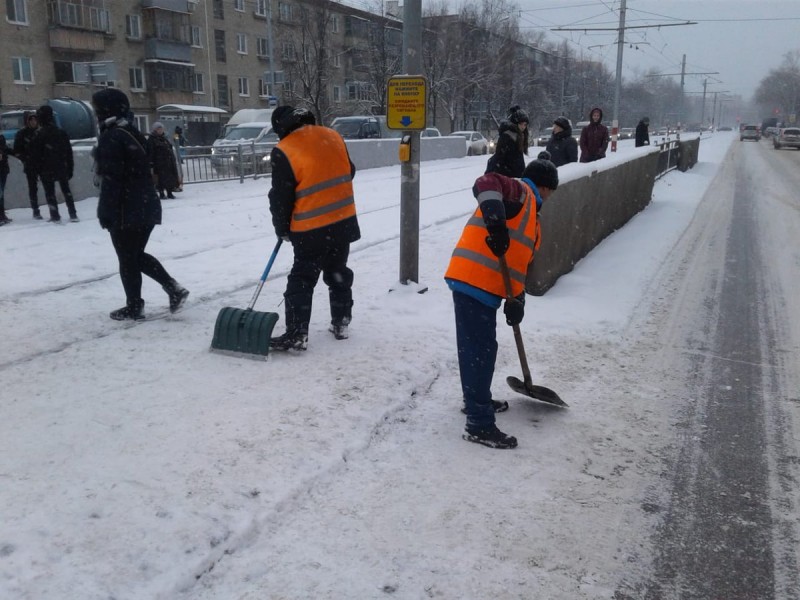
{"x":4,"y":154}
{"x":162,"y":161}
{"x":563,"y":148}
{"x":128,"y":199}
{"x":642,"y":135}
{"x":507,"y":159}
{"x":22,"y":143}
{"x":50,"y":153}
{"x":281,"y":205}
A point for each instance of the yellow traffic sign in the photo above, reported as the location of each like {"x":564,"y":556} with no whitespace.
{"x":406,"y":106}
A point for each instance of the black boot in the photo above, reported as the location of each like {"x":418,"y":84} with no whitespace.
{"x":177,"y":295}
{"x":291,"y":340}
{"x":490,"y":436}
{"x":133,"y":310}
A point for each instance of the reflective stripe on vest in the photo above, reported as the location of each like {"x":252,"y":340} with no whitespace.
{"x":473,"y":262}
{"x":324,"y":193}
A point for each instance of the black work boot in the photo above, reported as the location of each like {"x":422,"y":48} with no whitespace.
{"x":133,"y":310}
{"x":339,"y":328}
{"x":177,"y":295}
{"x":295,"y":339}
{"x":491,"y":437}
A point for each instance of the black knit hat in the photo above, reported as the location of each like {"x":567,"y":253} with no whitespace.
{"x":44,"y":114}
{"x":110,"y":102}
{"x":516,"y":115}
{"x":542,"y":172}
{"x":563,"y":122}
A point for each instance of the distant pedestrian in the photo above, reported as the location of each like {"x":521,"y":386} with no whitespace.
{"x":594,"y":137}
{"x":162,"y":159}
{"x":507,"y":212}
{"x":22,"y":141}
{"x":4,"y":170}
{"x":562,"y":146}
{"x":642,"y":132}
{"x":512,"y":145}
{"x":51,"y":154}
{"x":129,"y":206}
{"x":313,"y":207}
{"x":179,"y":140}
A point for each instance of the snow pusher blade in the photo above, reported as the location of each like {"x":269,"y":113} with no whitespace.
{"x":526,"y":388}
{"x":246,"y":331}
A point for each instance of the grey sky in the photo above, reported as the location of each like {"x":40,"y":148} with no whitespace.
{"x":740,"y":39}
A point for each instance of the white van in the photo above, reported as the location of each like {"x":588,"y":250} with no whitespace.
{"x":247,"y":115}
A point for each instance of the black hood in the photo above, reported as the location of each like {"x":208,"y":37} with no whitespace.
{"x":111,"y":102}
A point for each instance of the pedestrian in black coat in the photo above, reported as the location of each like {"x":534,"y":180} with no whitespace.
{"x":563,"y":148}
{"x":50,"y":153}
{"x":642,"y":133}
{"x":4,"y":170}
{"x":512,"y":145}
{"x":129,"y":206}
{"x":162,"y":160}
{"x":22,"y":141}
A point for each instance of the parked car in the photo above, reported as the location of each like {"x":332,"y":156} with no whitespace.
{"x":476,"y":143}
{"x":544,"y":136}
{"x":749,"y":132}
{"x":789,"y":137}
{"x":364,"y":127}
{"x":771,"y":132}
{"x":256,"y":141}
{"x":431,"y":132}
{"x":626,"y":133}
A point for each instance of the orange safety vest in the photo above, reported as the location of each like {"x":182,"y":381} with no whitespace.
{"x":321,"y":166}
{"x":473,"y":262}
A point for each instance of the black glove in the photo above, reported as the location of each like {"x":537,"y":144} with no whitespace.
{"x":514,"y":310}
{"x":497,"y":240}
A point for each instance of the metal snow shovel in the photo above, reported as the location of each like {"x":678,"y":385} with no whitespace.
{"x":246,"y":331}
{"x":526,"y":388}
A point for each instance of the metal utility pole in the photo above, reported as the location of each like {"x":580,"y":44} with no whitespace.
{"x":409,"y":170}
{"x":269,"y":49}
{"x":618,"y":84}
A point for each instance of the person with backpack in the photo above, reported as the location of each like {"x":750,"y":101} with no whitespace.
{"x":507,"y":212}
{"x":129,"y":207}
{"x":512,"y":145}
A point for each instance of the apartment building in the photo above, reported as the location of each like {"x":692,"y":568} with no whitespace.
{"x":215,"y":56}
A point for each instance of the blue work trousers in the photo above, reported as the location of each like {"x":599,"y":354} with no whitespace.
{"x":476,"y":339}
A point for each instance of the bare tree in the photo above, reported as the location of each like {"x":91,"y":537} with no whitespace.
{"x":780,"y":89}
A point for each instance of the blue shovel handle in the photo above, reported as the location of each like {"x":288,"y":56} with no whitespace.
{"x":265,"y":274}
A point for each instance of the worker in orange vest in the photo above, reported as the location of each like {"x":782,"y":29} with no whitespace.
{"x":507,"y":211}
{"x":313,"y":207}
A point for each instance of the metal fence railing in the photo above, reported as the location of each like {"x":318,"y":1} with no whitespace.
{"x":668,"y":157}
{"x":206,"y":163}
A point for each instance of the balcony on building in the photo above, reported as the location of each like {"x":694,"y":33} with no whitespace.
{"x":78,"y":25}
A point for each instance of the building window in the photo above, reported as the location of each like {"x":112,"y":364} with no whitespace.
{"x":261,"y":8}
{"x":238,"y":5}
{"x":133,"y":27}
{"x":222,"y":90}
{"x":359,"y":90}
{"x":219,"y":9}
{"x":219,"y":44}
{"x":136,"y":77}
{"x":17,"y":11}
{"x":197,"y":84}
{"x":337,"y":60}
{"x":22,"y":68}
{"x":244,"y":86}
{"x":262,"y":47}
{"x":99,"y":19}
{"x":335,"y":23}
{"x":284,"y":11}
{"x":195,"y":39}
{"x":241,"y":43}
{"x":287,"y":51}
{"x":141,"y":123}
{"x":337,"y":93}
